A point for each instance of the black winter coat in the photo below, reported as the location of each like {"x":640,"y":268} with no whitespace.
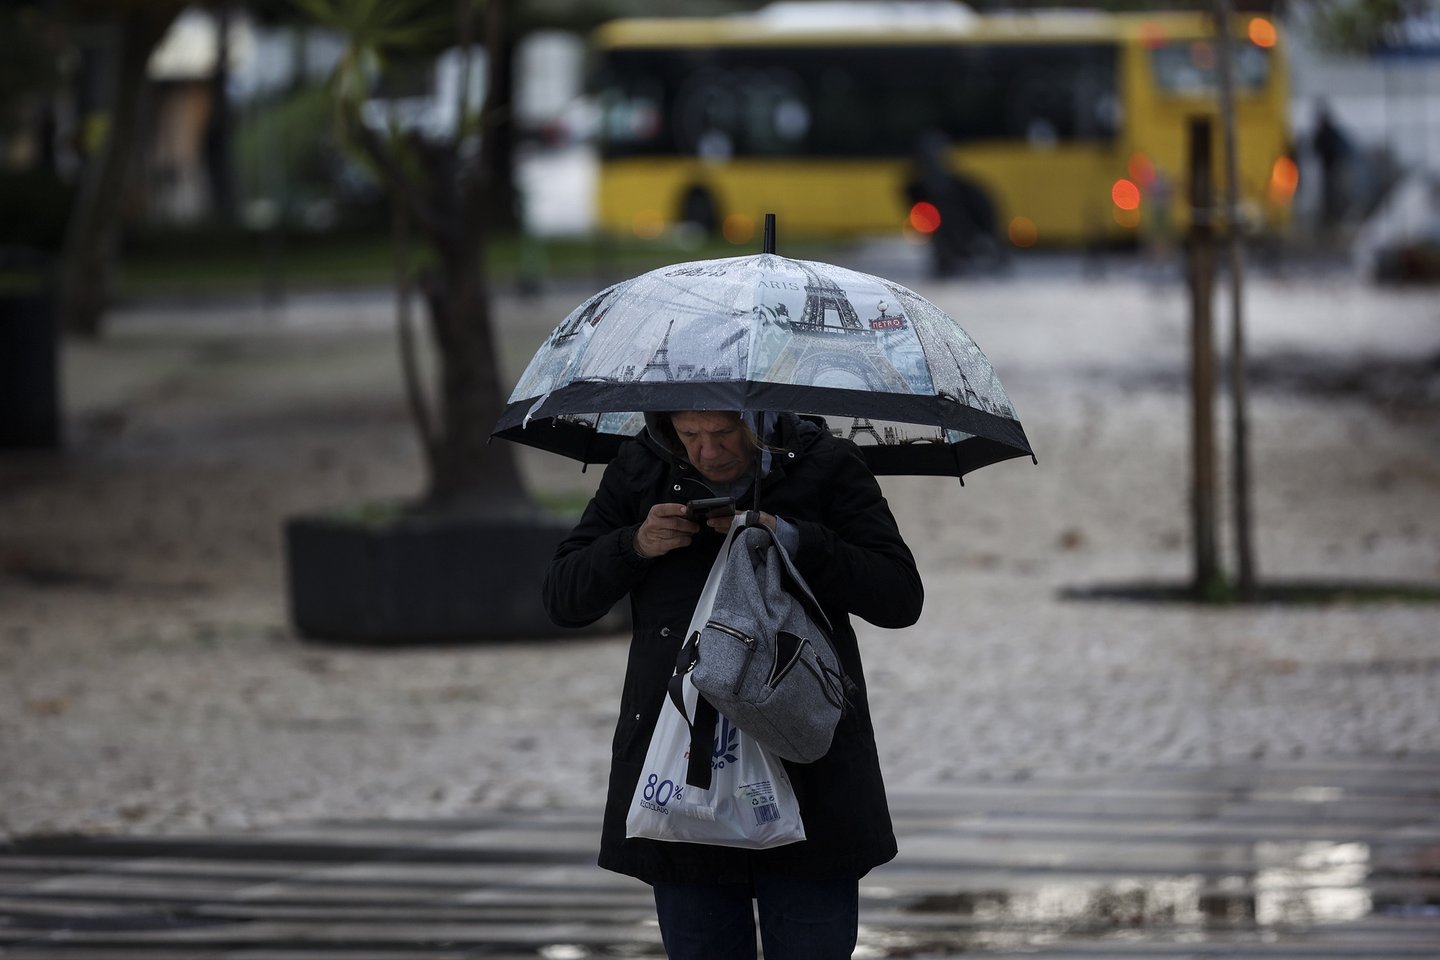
{"x":855,"y":561}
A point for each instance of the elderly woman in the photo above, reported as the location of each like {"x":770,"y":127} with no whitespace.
{"x":634,"y":538}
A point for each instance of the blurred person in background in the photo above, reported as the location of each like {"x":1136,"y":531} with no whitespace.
{"x":1333,"y":149}
{"x":968,"y":232}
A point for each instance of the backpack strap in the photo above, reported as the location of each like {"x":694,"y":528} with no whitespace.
{"x":796,"y":583}
{"x":837,"y":685}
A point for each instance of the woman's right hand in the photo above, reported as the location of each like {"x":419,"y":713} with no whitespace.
{"x":665,"y":529}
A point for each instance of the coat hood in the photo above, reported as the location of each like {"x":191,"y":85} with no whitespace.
{"x":783,"y":433}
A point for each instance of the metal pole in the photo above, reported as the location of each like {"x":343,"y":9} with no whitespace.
{"x":1209,"y":582}
{"x":1239,"y":398}
{"x":769,"y":240}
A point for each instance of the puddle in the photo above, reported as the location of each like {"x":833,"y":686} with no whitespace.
{"x":1284,"y":888}
{"x":1311,"y":883}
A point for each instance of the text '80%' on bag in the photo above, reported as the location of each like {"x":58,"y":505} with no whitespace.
{"x":764,"y":658}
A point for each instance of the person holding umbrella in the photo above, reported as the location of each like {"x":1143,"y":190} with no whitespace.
{"x":647,"y":376}
{"x":636,"y":537}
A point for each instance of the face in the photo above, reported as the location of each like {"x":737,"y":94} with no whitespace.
{"x":716,"y":443}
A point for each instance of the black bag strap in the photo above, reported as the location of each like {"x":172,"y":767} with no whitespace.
{"x":702,"y":745}
{"x":698,"y":772}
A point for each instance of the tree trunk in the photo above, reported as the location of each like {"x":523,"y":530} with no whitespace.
{"x":416,"y":395}
{"x":1209,"y":582}
{"x":93,"y":233}
{"x":447,"y":197}
{"x":1239,"y":393}
{"x":498,"y":145}
{"x":470,"y":474}
{"x":218,"y":168}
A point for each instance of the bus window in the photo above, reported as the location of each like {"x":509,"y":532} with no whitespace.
{"x":741,"y":110}
{"x":843,"y":114}
{"x":705,"y":115}
{"x":632,"y":108}
{"x":1056,"y":94}
{"x":872,"y":101}
{"x":1187,"y":67}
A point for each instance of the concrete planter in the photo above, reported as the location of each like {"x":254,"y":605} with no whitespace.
{"x":29,"y":373}
{"x":421,"y":579}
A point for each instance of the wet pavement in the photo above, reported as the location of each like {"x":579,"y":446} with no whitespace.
{"x":1316,"y":859}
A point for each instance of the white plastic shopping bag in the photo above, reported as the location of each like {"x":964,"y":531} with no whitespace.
{"x":749,"y":802}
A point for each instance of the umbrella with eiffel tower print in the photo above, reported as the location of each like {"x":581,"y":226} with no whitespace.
{"x":883,"y":365}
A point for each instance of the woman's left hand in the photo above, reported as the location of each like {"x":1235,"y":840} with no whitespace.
{"x":721,"y":525}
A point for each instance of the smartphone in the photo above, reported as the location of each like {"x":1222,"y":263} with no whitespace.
{"x":702,"y":510}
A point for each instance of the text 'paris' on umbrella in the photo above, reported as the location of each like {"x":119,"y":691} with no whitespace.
{"x":882,"y":364}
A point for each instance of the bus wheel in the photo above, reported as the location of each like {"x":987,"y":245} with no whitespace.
{"x":698,"y":208}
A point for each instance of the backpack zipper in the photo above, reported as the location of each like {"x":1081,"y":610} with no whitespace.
{"x":749,"y":652}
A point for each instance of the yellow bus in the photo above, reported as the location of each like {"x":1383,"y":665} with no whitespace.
{"x":1046,"y":128}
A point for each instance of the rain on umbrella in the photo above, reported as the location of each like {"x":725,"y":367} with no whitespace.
{"x":885,"y":366}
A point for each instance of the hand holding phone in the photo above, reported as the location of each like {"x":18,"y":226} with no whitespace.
{"x":702,"y":510}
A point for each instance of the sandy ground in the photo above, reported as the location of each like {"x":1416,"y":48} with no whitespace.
{"x":149,"y":680}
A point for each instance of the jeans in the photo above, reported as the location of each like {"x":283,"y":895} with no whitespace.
{"x":799,"y":919}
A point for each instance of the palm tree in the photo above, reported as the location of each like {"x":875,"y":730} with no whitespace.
{"x":462,"y":561}
{"x":439,"y":188}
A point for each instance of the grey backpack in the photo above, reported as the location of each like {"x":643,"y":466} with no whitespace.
{"x":764,"y":658}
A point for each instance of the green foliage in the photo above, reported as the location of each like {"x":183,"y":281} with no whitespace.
{"x":197,"y":263}
{"x":378,"y":31}
{"x":216,"y":263}
{"x":287,"y":150}
{"x":381,"y":36}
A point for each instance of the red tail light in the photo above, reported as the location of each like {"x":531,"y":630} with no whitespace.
{"x":1262,"y":33}
{"x":925,"y":217}
{"x":1125,"y":194}
{"x":1284,"y":179}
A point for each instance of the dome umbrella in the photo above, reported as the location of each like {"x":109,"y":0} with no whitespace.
{"x":883,"y":365}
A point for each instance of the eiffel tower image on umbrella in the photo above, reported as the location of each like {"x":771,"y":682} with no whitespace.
{"x":840,"y":355}
{"x":659,"y":362}
{"x":822,"y":296}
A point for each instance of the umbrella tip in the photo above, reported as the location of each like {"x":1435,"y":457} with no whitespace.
{"x":769,"y":242}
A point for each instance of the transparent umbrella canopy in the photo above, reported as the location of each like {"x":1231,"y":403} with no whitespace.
{"x":881,"y":364}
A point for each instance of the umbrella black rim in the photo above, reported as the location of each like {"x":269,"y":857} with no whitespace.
{"x":603,"y":396}
{"x":992,"y":438}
